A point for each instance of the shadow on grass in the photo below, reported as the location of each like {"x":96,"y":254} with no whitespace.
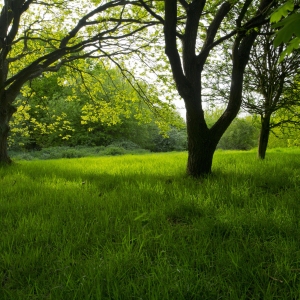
{"x":231,"y":235}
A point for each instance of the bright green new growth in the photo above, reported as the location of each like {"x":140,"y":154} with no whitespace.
{"x":71,"y":107}
{"x":290,"y":31}
{"x":282,"y":11}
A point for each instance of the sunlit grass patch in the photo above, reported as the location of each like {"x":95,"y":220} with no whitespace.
{"x":135,"y":227}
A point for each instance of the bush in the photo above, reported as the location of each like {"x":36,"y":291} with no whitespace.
{"x":71,"y":153}
{"x":113,"y":150}
{"x":176,"y":141}
{"x":51,"y":152}
{"x":125,"y":144}
{"x":241,"y":135}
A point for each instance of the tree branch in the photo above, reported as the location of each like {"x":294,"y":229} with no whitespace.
{"x":184,"y":4}
{"x":212,"y":31}
{"x":151,"y":12}
{"x":171,"y":46}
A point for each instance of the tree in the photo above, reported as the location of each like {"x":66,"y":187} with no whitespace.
{"x":186,"y":21}
{"x":39,"y":37}
{"x":270,"y":87}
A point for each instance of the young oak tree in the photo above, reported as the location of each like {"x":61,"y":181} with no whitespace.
{"x":40,"y":36}
{"x":200,"y":26}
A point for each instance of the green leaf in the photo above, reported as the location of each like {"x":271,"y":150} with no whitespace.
{"x":290,"y":27}
{"x":282,"y":11}
{"x":293,"y":44}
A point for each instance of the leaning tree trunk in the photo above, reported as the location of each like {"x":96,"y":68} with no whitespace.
{"x":264,"y":137}
{"x":6,"y":112}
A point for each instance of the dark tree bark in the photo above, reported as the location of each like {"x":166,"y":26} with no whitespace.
{"x":202,"y":141}
{"x":264,"y":136}
{"x":6,"y":112}
{"x":200,"y":146}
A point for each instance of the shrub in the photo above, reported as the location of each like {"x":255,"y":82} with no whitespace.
{"x":71,"y":153}
{"x":113,"y":150}
{"x":241,"y":135}
{"x":125,"y":144}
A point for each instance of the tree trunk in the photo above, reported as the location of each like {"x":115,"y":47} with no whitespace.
{"x":187,"y":71}
{"x":6,"y":112}
{"x":200,"y":155}
{"x":201,"y":146}
{"x":264,"y":137}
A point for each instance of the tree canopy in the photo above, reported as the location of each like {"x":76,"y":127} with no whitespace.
{"x":39,"y":37}
{"x":90,"y":108}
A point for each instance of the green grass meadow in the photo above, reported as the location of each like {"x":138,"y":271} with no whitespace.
{"x":136,"y":227}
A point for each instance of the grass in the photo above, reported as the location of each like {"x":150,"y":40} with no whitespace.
{"x":135,"y":227}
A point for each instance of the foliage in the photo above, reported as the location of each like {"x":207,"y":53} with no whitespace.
{"x":115,"y":148}
{"x":90,"y":108}
{"x":37,"y":38}
{"x":240,"y":135}
{"x":289,"y":24}
{"x":287,"y":134}
{"x":176,"y":140}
